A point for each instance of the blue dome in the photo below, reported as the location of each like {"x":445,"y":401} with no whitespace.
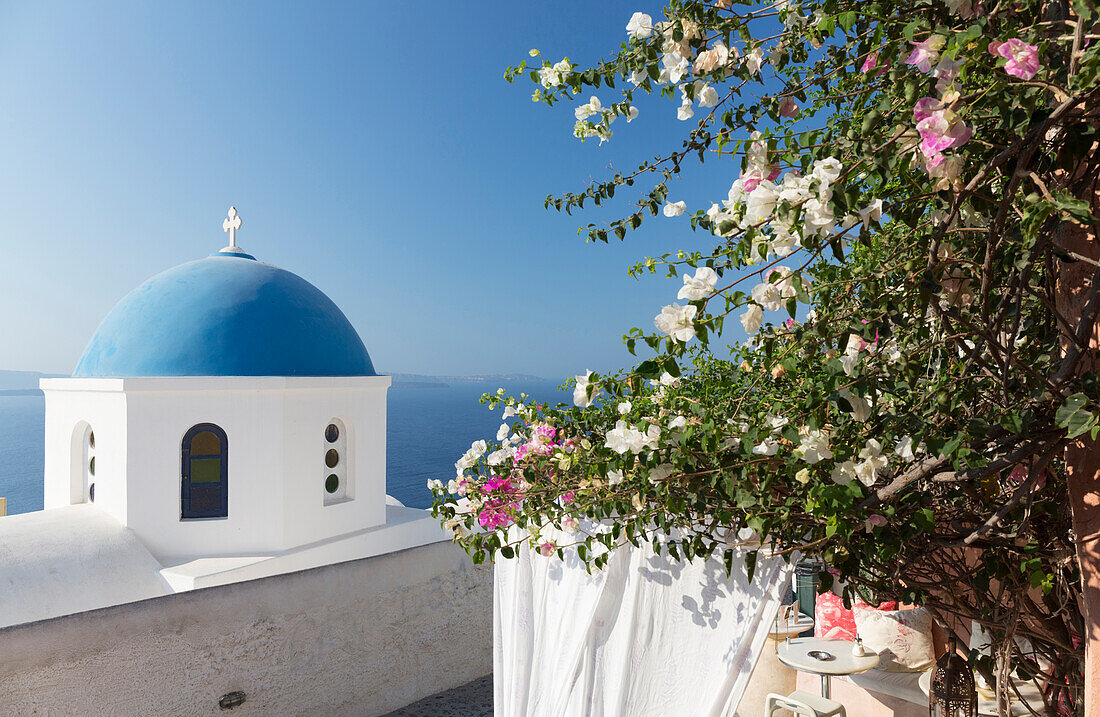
{"x":225,"y":315}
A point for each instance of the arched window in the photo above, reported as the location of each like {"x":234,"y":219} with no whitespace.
{"x":204,"y":484}
{"x":336,"y":460}
{"x":83,"y":463}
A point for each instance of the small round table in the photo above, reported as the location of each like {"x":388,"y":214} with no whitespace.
{"x":796,"y":653}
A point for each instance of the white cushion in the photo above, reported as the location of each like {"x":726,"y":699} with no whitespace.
{"x":902,"y":685}
{"x":902,"y":638}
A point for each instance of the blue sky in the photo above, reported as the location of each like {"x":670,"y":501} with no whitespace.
{"x":372,"y":148}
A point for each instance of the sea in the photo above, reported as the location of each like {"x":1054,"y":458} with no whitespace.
{"x":429,"y":428}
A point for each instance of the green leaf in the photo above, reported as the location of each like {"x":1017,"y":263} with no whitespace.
{"x":1073,"y":417}
{"x":648,"y":369}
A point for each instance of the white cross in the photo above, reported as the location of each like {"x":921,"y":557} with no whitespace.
{"x":231,"y":224}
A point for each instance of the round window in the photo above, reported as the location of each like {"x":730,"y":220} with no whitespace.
{"x":91,"y":439}
{"x":332,"y":483}
{"x":91,"y":466}
{"x":91,"y":492}
{"x":332,"y":458}
{"x":332,"y":433}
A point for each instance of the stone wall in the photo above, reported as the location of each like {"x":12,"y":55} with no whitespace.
{"x":357,"y":638}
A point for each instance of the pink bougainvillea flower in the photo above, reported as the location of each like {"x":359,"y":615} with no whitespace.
{"x":926,"y":53}
{"x":788,"y":108}
{"x":568,"y":497}
{"x":925,"y":107}
{"x":547,"y":549}
{"x":874,"y":521}
{"x":940,"y":129}
{"x":872,"y":62}
{"x":1023,"y":59}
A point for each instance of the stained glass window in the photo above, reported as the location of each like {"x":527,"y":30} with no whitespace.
{"x":204,"y":484}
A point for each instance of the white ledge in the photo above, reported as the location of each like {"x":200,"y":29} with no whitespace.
{"x":216,"y":383}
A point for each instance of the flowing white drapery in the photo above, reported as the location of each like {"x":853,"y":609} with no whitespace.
{"x":644,"y":637}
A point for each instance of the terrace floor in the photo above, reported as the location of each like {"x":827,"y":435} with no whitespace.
{"x":474,"y":699}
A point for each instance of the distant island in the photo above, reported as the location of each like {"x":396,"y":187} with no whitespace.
{"x":415,"y":380}
{"x":25,"y":383}
{"x":22,"y":383}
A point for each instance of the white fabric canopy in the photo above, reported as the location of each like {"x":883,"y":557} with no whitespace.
{"x":644,"y":636}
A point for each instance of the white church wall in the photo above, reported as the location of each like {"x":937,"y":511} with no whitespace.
{"x":274,"y":427}
{"x":158,"y":418}
{"x":358,"y":638}
{"x":99,"y":405}
{"x":361,"y":407}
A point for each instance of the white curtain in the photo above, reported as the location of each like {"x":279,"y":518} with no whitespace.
{"x":643,"y":637}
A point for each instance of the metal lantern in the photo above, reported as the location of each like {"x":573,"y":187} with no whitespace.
{"x":953,"y":693}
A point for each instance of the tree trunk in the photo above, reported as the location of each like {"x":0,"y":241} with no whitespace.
{"x":1074,"y":283}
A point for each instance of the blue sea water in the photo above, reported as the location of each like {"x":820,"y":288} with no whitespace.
{"x":429,"y":428}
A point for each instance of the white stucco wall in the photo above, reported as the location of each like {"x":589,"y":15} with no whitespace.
{"x":105,"y":412}
{"x":275,"y":430}
{"x":359,"y":638}
{"x":71,"y":559}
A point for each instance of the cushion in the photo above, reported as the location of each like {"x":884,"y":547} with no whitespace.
{"x":902,"y":685}
{"x":832,"y":620}
{"x":902,"y":638}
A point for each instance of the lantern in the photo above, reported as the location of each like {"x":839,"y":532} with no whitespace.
{"x":953,"y":693}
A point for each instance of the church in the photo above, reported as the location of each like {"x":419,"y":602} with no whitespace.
{"x":225,"y":424}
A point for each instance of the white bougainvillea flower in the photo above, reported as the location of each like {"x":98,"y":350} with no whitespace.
{"x":677,"y":422}
{"x":753,"y":60}
{"x":686,"y":111}
{"x":614,"y":477}
{"x":640,"y":26}
{"x":674,"y":67}
{"x":581,"y":396}
{"x":843,"y":473}
{"x":674,"y":209}
{"x":661,"y":472}
{"x":827,"y":170}
{"x":503,"y":431}
{"x":775,"y":423}
{"x":903,"y":449}
{"x":677,"y":321}
{"x":617,"y":438}
{"x":814,"y":446}
{"x":873,"y":462}
{"x":631,"y":114}
{"x":850,"y":359}
{"x":766,"y":447}
{"x":624,"y":407}
{"x":435,"y":486}
{"x":709,"y":60}
{"x":861,"y":407}
{"x":668,"y":379}
{"x":767,"y":295}
{"x":593,"y":106}
{"x":752,"y":318}
{"x":700,"y":286}
{"x":707,"y":96}
{"x":871,"y":213}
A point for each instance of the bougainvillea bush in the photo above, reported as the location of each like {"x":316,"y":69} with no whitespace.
{"x":907,"y":239}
